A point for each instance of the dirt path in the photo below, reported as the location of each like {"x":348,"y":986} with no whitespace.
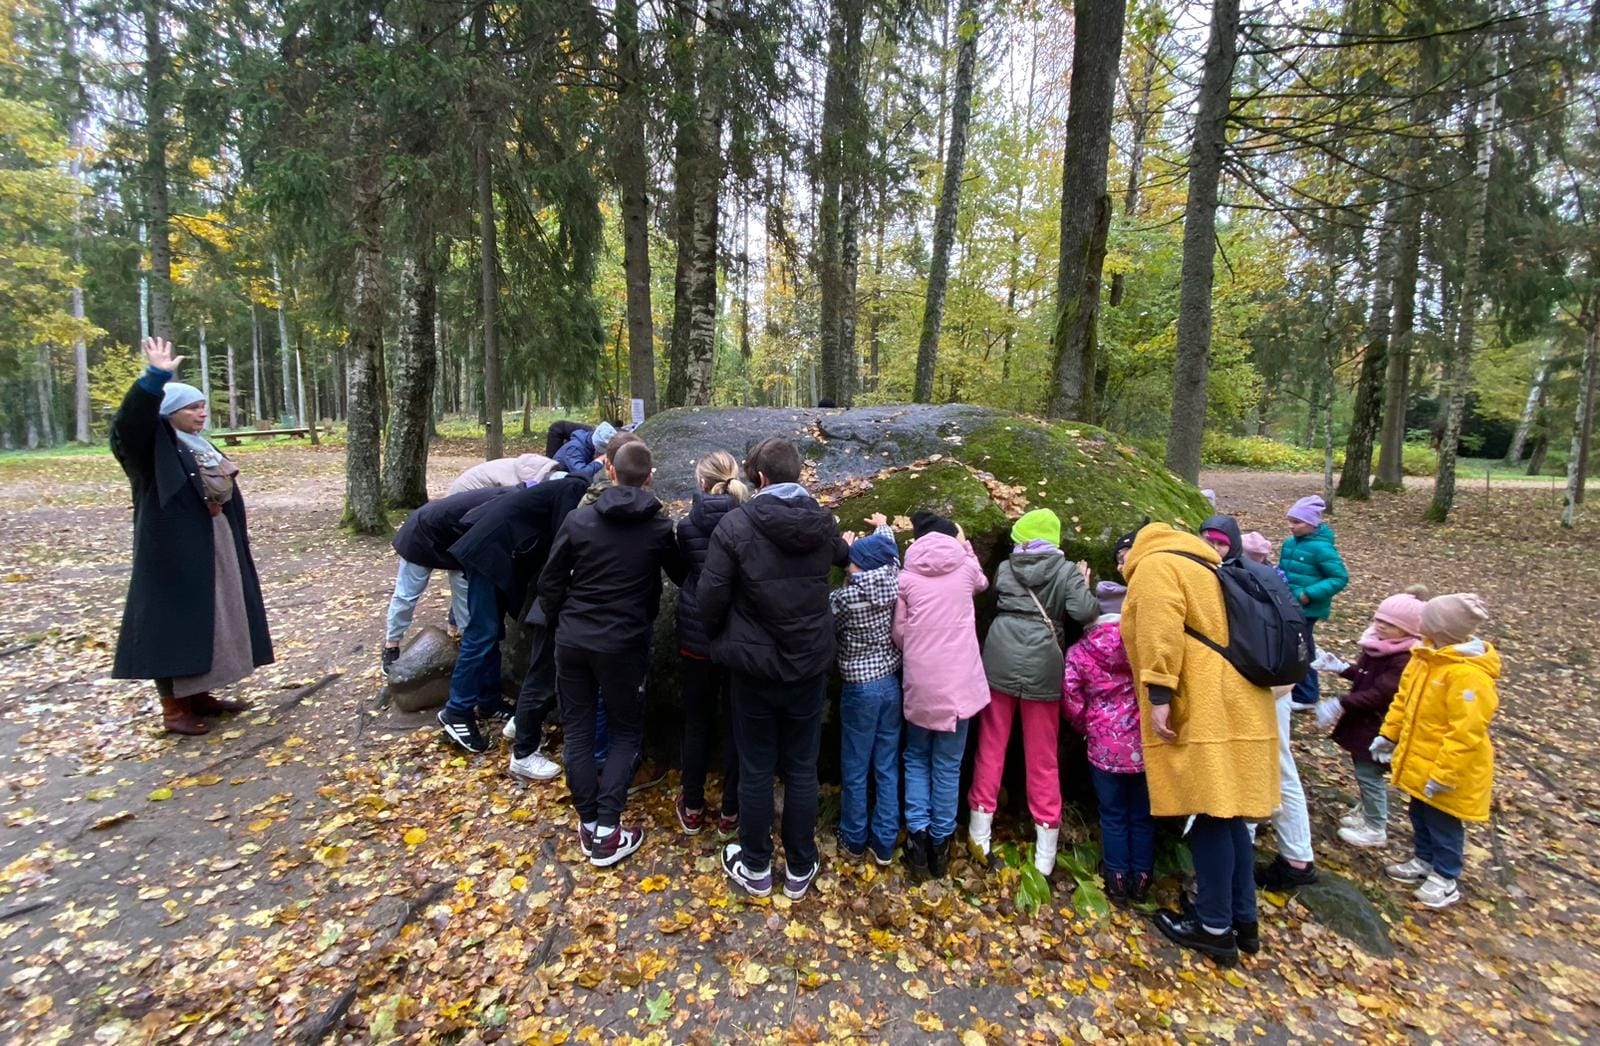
{"x":322,"y":863}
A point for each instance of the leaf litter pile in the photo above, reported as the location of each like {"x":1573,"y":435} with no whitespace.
{"x":324,"y":868}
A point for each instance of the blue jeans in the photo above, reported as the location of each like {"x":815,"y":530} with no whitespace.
{"x":410,"y":582}
{"x":1309,"y":689}
{"x":869,"y":746}
{"x":933,"y":778}
{"x":1224,"y":871}
{"x":1440,"y":838}
{"x":475,"y":683}
{"x":1127,"y":834}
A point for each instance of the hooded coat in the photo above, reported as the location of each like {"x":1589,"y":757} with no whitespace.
{"x":602,"y":581}
{"x":1313,"y":567}
{"x":1374,"y":680}
{"x":935,"y":626}
{"x":1098,"y":698}
{"x":508,"y":538}
{"x":168,"y":618}
{"x":1439,"y":723}
{"x":694,"y":540}
{"x":1022,"y":655}
{"x":427,"y":534}
{"x":763,"y":591}
{"x":519,"y":471}
{"x":1224,"y":762}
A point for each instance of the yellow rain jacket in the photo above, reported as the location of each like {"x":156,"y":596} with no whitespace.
{"x":1225,"y":760}
{"x":1439,"y":723}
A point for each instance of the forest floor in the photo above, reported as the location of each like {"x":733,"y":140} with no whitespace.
{"x":324,"y":866}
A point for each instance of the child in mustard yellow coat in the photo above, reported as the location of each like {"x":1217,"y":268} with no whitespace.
{"x":1436,"y":736}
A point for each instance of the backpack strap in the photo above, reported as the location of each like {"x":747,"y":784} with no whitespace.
{"x":1189,"y":630}
{"x":1049,"y":622}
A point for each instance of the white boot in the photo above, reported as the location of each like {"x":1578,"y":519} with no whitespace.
{"x":1044,"y":849}
{"x":979,"y":825}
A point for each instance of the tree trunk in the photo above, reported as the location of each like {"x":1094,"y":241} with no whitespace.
{"x":157,"y":67}
{"x":1367,"y":410}
{"x":233,"y":388}
{"x":944,"y":221}
{"x":1396,"y":392}
{"x":842,"y":143}
{"x":405,"y":461}
{"x":1085,"y":204}
{"x":77,"y":136}
{"x":1458,"y":369}
{"x":283,"y":343}
{"x":686,"y":173}
{"x":1530,"y":407}
{"x":1140,"y":115}
{"x":1189,"y":375}
{"x":205,"y":372}
{"x":255,"y":362}
{"x":494,"y":414}
{"x":702,"y":345}
{"x":632,"y":170}
{"x":1583,"y":422}
{"x":363,"y":506}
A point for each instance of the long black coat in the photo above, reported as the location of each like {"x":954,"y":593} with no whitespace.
{"x":763,"y":590}
{"x":694,"y":539}
{"x":508,"y":538}
{"x":167,"y":622}
{"x":427,"y":534}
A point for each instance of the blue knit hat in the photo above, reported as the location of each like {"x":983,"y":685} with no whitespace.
{"x":873,"y":551}
{"x":176,"y":395}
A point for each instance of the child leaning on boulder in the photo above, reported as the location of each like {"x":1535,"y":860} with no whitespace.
{"x":935,"y":624}
{"x":1436,"y":740}
{"x":1042,"y":601}
{"x":869,"y":703}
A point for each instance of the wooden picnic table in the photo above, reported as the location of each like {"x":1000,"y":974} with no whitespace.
{"x":232,"y":438}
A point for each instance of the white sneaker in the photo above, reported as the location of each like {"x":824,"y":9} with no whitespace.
{"x":980,"y":823}
{"x":1354,"y":817}
{"x":535,"y":767}
{"x":509,"y":731}
{"x":1412,"y":871}
{"x":1438,"y":892}
{"x":1365,"y":836}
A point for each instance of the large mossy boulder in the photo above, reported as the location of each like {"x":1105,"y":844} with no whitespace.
{"x":980,"y":466}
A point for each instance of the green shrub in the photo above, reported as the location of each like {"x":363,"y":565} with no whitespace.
{"x":1258,"y":452}
{"x":1419,"y":459}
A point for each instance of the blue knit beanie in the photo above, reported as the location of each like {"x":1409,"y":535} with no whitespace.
{"x":873,"y":551}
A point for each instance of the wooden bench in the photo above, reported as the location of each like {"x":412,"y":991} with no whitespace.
{"x":232,"y":438}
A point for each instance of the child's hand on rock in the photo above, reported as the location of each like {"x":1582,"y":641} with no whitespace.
{"x":877,"y":519}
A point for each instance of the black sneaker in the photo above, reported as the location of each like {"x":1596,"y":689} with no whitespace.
{"x":852,"y":851}
{"x":795,"y":886}
{"x":1186,"y":932}
{"x":883,"y":859}
{"x":756,"y":884}
{"x":1139,"y":884}
{"x":1116,"y":885}
{"x":391,"y":654}
{"x":463,"y":730}
{"x":1248,"y":937}
{"x":585,"y":840}
{"x":1280,"y":875}
{"x":497,"y":715}
{"x":608,"y":849}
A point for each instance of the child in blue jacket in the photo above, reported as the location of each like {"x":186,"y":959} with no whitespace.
{"x":1316,"y":573}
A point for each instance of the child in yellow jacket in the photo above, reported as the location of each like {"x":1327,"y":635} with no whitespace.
{"x":1436,"y":736}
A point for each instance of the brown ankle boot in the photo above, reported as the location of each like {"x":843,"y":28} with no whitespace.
{"x":205,"y":704}
{"x":179,"y":718}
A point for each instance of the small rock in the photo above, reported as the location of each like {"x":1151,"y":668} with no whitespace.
{"x":1340,"y":906}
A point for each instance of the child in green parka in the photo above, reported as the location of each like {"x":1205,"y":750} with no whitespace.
{"x":1316,"y":573}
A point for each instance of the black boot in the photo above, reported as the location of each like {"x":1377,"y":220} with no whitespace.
{"x":1248,"y":936}
{"x":1139,"y":887}
{"x":918,"y":854}
{"x":1281,"y":876}
{"x":1116,"y":886}
{"x":939,"y":857}
{"x":1185,"y":931}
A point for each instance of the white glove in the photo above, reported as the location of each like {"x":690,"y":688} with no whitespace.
{"x":1433,"y":788}
{"x":1329,"y":709}
{"x":1328,"y":662}
{"x":1382,"y":749}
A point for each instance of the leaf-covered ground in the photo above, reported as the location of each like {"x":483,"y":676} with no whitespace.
{"x":323,"y":865}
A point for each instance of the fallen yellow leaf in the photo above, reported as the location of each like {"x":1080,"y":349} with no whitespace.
{"x":414,"y":836}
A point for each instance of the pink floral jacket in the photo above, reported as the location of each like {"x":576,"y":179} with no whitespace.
{"x":1098,"y":698}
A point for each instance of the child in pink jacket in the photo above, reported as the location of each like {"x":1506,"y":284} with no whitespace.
{"x":1099,"y":701}
{"x":944,"y":684}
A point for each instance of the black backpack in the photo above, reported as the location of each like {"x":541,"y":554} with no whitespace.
{"x":1266,"y":627}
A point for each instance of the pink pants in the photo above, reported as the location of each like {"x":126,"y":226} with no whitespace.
{"x":1041,"y":727}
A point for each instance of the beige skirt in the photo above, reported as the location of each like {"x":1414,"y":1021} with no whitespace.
{"x":231,"y":652}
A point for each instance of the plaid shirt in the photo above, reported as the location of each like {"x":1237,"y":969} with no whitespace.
{"x":863,"y":614}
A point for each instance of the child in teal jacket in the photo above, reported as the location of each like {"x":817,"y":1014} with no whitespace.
{"x":1316,"y":573}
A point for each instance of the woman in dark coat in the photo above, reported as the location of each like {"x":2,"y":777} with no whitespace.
{"x":194,"y":619}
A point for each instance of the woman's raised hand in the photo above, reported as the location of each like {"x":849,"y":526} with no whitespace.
{"x":159,"y":352}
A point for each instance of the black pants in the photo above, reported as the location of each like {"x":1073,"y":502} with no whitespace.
{"x":537,"y":699}
{"x":1224,"y":871}
{"x":585,"y":678}
{"x":778,"y":728}
{"x":703,"y":705}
